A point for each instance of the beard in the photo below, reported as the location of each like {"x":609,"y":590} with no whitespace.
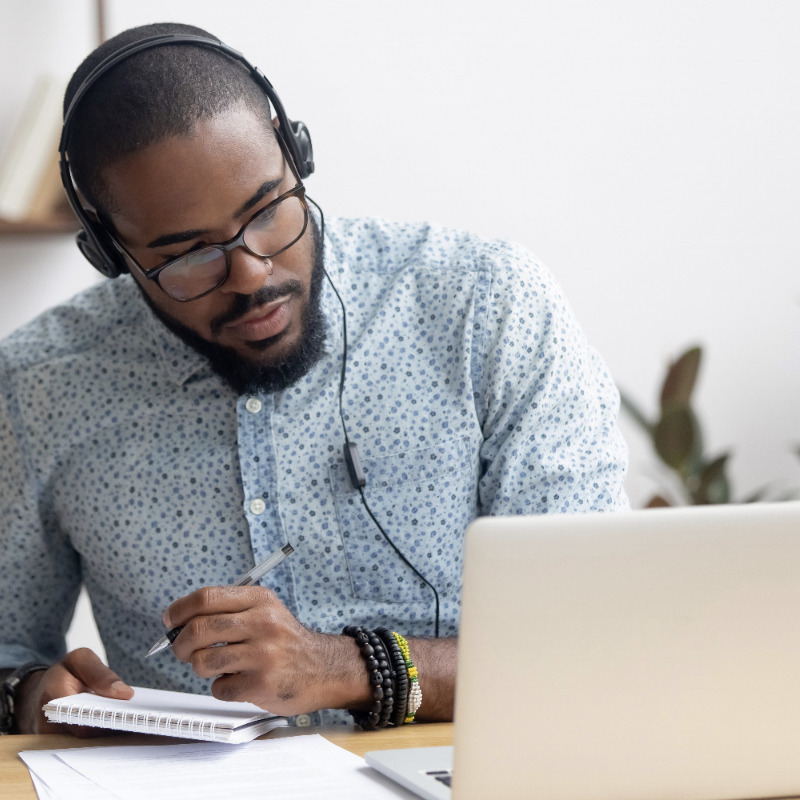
{"x":251,"y":377}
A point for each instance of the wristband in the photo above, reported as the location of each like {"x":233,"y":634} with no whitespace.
{"x":414,"y":689}
{"x":381,"y":678}
{"x":9,"y":691}
{"x":401,"y":675}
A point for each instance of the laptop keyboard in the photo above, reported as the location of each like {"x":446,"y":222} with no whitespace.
{"x":442,"y":775}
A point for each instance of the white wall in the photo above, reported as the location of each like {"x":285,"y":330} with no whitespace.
{"x":38,"y":36}
{"x":646,"y":151}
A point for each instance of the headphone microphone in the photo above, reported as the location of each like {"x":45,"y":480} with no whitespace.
{"x":353,"y":461}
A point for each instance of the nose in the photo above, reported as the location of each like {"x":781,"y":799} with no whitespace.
{"x":248,"y":272}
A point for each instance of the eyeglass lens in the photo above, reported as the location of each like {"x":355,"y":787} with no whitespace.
{"x":270,"y":232}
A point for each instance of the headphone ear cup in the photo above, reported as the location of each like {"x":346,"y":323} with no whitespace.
{"x":99,"y":251}
{"x":303,"y":148}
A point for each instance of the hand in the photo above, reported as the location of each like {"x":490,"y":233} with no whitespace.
{"x":79,"y":671}
{"x":260,"y":653}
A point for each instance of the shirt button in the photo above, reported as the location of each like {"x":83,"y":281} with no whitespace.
{"x":253,"y":405}
{"x":302,"y":720}
{"x":258,"y":506}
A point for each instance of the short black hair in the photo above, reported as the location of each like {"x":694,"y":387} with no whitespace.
{"x":153,"y":95}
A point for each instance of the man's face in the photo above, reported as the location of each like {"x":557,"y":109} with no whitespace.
{"x":185,"y":192}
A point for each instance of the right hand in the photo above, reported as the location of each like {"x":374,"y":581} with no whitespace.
{"x":79,"y":671}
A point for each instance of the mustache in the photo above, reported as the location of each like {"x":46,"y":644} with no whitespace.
{"x":242,"y":303}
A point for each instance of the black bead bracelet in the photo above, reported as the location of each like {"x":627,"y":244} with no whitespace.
{"x":401,"y":674}
{"x":381,"y":678}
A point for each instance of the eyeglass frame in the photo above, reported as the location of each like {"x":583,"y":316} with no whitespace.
{"x":236,"y":241}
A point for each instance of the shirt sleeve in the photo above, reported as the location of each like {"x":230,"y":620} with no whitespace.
{"x":40,"y":579}
{"x":547,"y":404}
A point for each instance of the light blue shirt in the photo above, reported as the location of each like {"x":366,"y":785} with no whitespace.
{"x":128,"y":465}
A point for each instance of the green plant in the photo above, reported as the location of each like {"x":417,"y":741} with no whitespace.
{"x":677,"y":439}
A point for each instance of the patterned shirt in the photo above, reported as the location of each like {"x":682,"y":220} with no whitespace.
{"x":128,"y":465}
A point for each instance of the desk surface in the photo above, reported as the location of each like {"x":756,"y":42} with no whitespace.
{"x":16,"y":783}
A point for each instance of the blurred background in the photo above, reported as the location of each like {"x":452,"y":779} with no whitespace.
{"x":646,"y":152}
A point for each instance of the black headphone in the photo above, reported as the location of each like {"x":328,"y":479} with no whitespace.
{"x":96,"y":244}
{"x":94,"y":240}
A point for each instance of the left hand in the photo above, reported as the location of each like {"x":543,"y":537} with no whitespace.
{"x":80,"y":670}
{"x":267,"y":656}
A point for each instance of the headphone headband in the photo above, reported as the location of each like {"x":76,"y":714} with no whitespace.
{"x":93,"y":240}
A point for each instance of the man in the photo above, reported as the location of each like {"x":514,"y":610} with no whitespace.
{"x":164,"y":431}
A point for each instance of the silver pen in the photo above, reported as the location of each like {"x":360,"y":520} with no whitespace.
{"x":249,"y":578}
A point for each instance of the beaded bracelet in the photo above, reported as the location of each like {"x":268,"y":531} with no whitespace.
{"x":401,"y":675}
{"x":381,"y":678}
{"x":414,"y":689}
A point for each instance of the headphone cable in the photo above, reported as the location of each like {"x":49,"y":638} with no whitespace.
{"x":350,"y":447}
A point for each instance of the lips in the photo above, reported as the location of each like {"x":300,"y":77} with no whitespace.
{"x":262,"y":322}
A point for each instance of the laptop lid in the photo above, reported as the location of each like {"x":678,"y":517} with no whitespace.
{"x":649,"y":654}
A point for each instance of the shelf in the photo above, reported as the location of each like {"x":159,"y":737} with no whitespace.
{"x":56,"y":225}
{"x":64,"y":223}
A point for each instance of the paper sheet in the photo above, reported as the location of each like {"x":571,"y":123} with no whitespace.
{"x":305,"y":767}
{"x":54,"y":780}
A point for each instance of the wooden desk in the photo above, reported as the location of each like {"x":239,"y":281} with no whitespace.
{"x":15,"y":782}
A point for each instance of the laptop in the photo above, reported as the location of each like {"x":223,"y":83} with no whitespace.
{"x":637,"y":656}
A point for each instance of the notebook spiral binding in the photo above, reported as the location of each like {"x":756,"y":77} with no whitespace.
{"x":159,"y":724}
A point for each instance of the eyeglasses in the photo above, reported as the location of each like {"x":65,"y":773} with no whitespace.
{"x":269,"y":233}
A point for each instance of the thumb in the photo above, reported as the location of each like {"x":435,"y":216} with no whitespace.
{"x":95,"y":675}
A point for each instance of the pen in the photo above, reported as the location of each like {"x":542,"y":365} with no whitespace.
{"x":249,"y":578}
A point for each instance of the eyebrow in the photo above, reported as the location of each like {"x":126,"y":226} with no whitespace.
{"x":188,"y":236}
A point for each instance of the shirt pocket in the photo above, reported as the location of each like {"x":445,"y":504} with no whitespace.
{"x":423,"y":499}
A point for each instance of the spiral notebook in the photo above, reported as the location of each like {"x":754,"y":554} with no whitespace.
{"x":166,"y":713}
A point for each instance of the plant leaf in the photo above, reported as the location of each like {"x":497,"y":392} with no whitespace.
{"x":674,"y":436}
{"x":714,"y":486}
{"x":680,"y":379}
{"x":635,"y":412}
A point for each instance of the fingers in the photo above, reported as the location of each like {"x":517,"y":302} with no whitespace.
{"x":217,"y":614}
{"x":94,"y":675}
{"x":213,"y":661}
{"x":201,"y":633}
{"x":213,"y":600}
{"x":275,"y":687}
{"x":252,"y":688}
{"x":79,"y":671}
